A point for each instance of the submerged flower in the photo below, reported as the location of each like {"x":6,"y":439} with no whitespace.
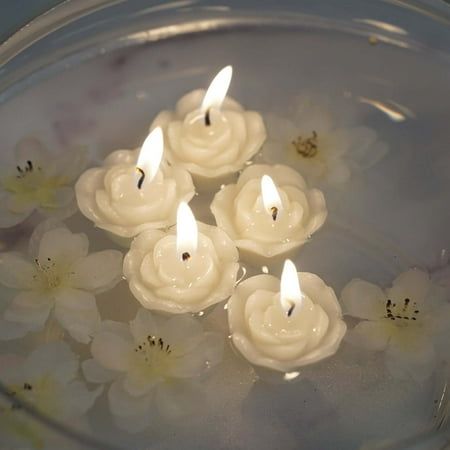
{"x":41,"y":182}
{"x":316,"y":142}
{"x":60,"y":276}
{"x":47,"y":381}
{"x":153,"y":362}
{"x":404,"y":321}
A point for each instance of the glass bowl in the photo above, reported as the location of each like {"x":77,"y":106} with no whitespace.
{"x":95,"y":73}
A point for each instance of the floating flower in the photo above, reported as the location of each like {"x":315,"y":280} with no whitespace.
{"x":240,"y":210}
{"x":162,"y":281}
{"x":403,"y":321}
{"x":46,"y":380}
{"x":153,"y":362}
{"x":40,"y":182}
{"x":316,"y":142}
{"x":58,"y":275}
{"x":109,"y":195}
{"x":215,"y":151}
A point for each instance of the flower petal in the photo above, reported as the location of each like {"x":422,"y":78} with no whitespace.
{"x":373,"y":336}
{"x":112,"y":350}
{"x":124,"y":404}
{"x":143,"y":325}
{"x":97,"y":272}
{"x":414,"y":284}
{"x":29,"y":308}
{"x":78,"y":399}
{"x":363,"y":300}
{"x":12,"y":330}
{"x":178,"y":399}
{"x":39,"y":231}
{"x":411,"y":358}
{"x":31,"y":149}
{"x":62,"y":246}
{"x":10,"y":218}
{"x":95,"y":373}
{"x":206,"y":354}
{"x":182,"y":331}
{"x":55,"y":358}
{"x":15,"y":271}
{"x":77,"y":312}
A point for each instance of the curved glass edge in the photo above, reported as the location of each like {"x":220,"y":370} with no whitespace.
{"x":83,"y":25}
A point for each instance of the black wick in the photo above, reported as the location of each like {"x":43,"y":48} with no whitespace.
{"x":185,"y":256}
{"x":208,"y":117}
{"x":291,"y":310}
{"x":141,"y":178}
{"x":274,"y":210}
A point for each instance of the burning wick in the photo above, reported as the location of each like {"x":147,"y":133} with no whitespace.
{"x":216,"y":93}
{"x":141,"y":178}
{"x":290,"y":310}
{"x":208,"y":118}
{"x":274,"y":210}
{"x":291,"y":295}
{"x":185,"y":256}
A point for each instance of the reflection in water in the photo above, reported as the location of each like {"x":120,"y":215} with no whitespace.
{"x":395,"y":112}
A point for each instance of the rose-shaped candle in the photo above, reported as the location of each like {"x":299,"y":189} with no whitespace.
{"x":282,"y":327}
{"x":183,"y":272}
{"x":133,"y":190}
{"x":211,"y":135}
{"x":269,"y":213}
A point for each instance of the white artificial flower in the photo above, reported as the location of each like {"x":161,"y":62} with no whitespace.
{"x":404,"y":321}
{"x":153,"y":362}
{"x":40,"y":181}
{"x":47,"y":381}
{"x":58,"y":275}
{"x":317,"y":141}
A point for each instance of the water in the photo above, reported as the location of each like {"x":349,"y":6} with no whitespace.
{"x":385,"y":219}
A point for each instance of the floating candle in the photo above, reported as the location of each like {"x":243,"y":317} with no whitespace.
{"x":134,"y":190}
{"x":183,"y":272}
{"x":211,"y":135}
{"x":269,"y":213}
{"x":288,"y":326}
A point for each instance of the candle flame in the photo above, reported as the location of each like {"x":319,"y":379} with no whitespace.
{"x":291,"y":295}
{"x":270,"y":197}
{"x":150,"y":155}
{"x":187,"y":232}
{"x":217,"y":91}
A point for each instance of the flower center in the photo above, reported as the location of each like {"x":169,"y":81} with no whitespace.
{"x":154,"y":353}
{"x":404,"y":311}
{"x":307,"y":147}
{"x":48,"y":274}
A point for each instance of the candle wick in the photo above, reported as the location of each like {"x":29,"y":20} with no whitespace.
{"x":208,"y":117}
{"x":185,"y":256}
{"x":141,"y":178}
{"x":291,"y":310}
{"x":274,"y":210}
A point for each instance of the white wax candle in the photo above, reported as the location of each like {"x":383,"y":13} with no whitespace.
{"x":285,"y":333}
{"x":168,"y":273}
{"x":272,"y":224}
{"x":129,"y":194}
{"x":209,"y":135}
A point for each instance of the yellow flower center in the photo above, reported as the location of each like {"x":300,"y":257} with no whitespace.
{"x":403,"y":312}
{"x":50,"y":275}
{"x":31,"y":185}
{"x":154,"y":356}
{"x":307,"y":147}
